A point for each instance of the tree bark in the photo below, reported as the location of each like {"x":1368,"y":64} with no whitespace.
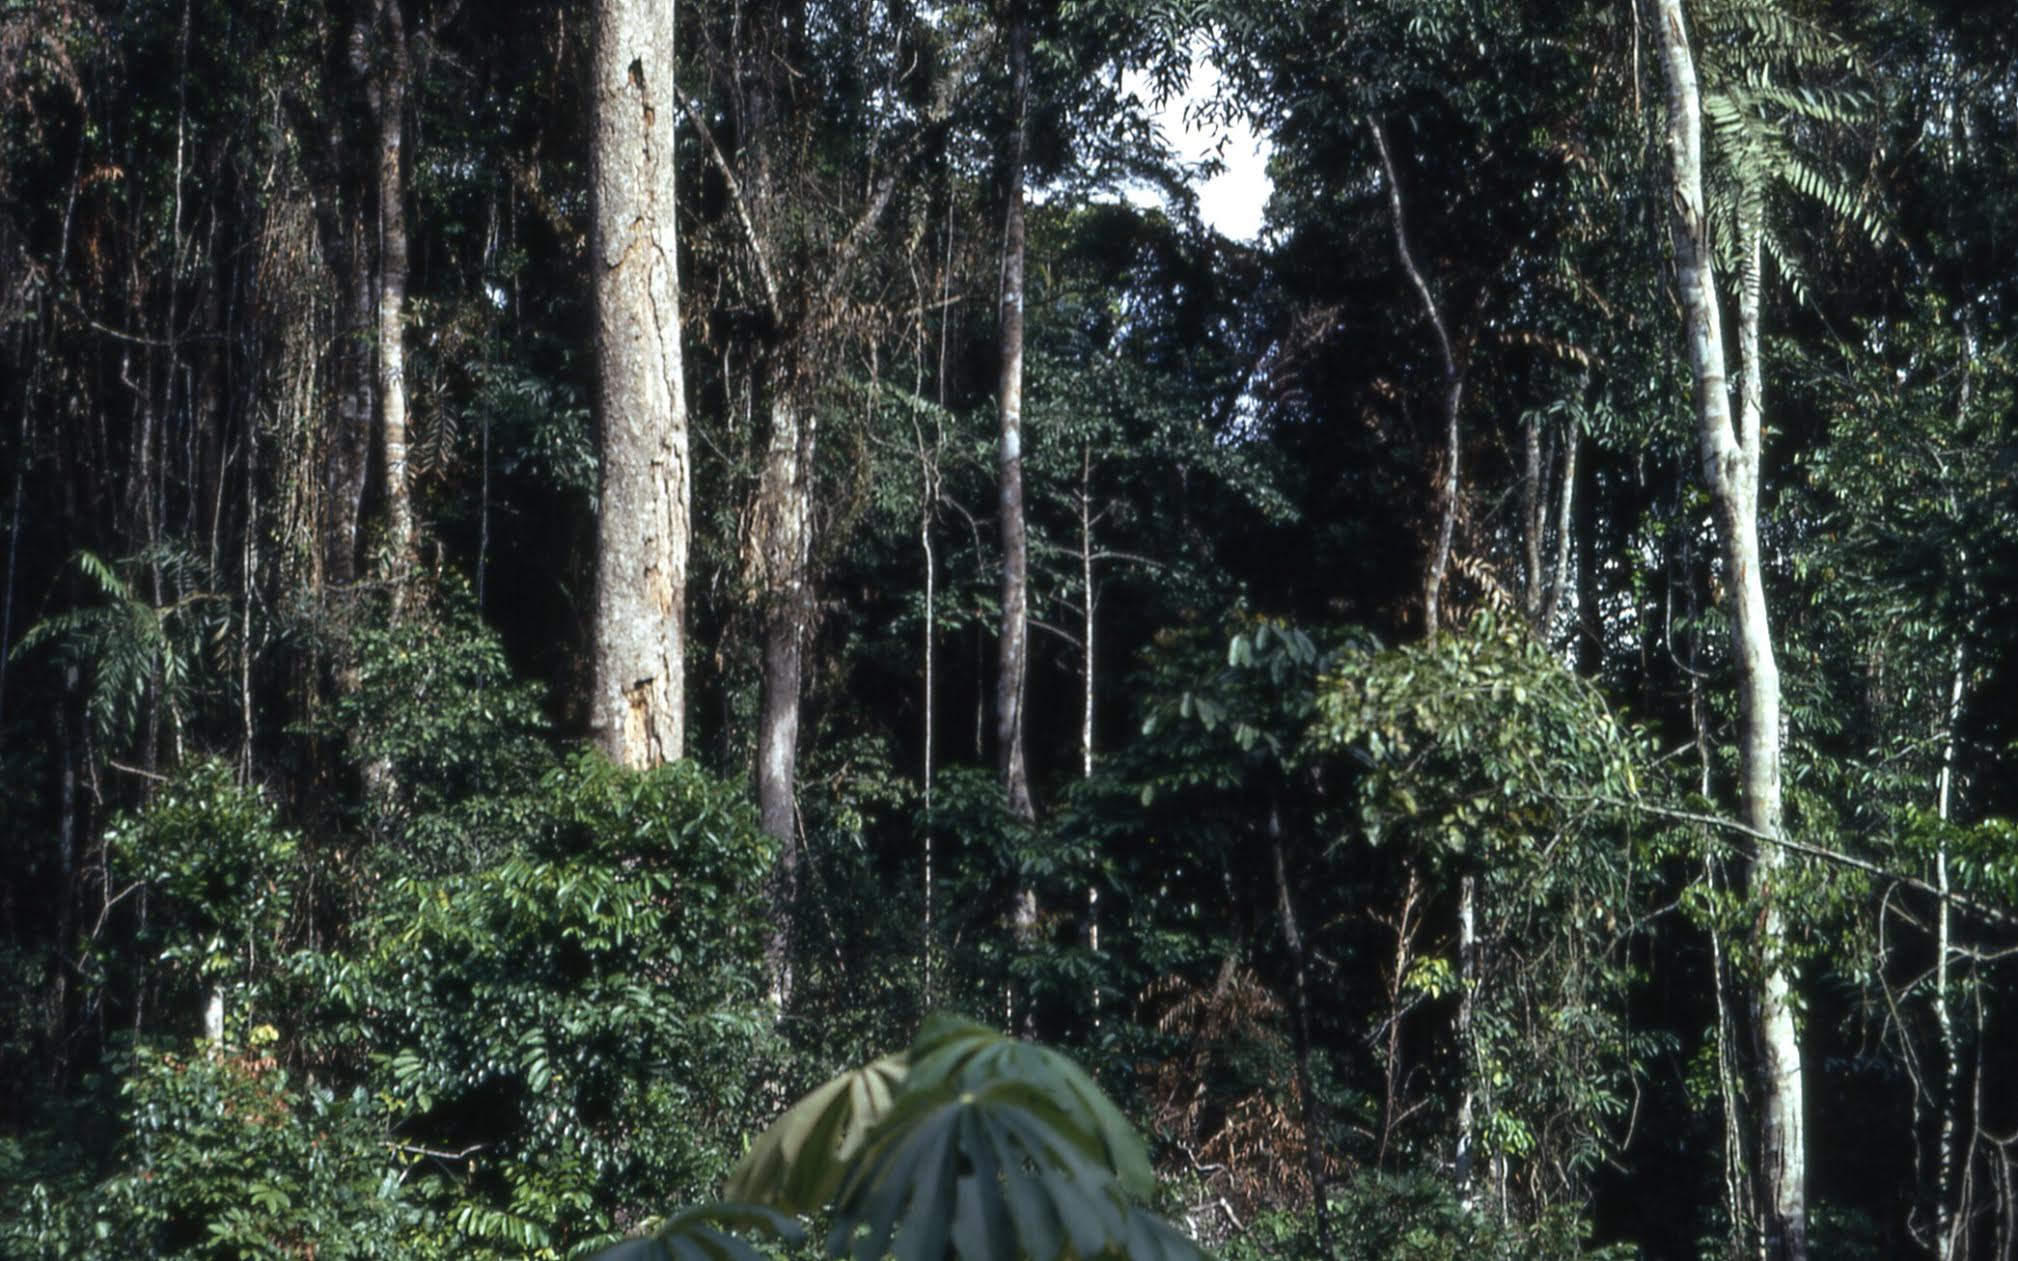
{"x":388,"y":92}
{"x":1566,"y":492}
{"x":783,"y":538}
{"x":1013,"y":665}
{"x":347,"y":457}
{"x":1948,"y":1225}
{"x":636,"y":711}
{"x":1730,"y":454}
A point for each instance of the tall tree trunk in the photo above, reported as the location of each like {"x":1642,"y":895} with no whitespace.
{"x":636,"y":711}
{"x":388,"y":93}
{"x":347,"y":457}
{"x":783,"y":530}
{"x":1467,"y":1004}
{"x":1730,"y":454}
{"x":1013,"y":668}
{"x":1948,"y":1225}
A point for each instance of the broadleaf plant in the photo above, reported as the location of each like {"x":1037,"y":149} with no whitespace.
{"x":972,"y":1145}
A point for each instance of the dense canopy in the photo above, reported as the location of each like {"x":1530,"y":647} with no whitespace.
{"x":574,"y":568}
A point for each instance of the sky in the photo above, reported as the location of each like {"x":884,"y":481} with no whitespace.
{"x":1232,"y":201}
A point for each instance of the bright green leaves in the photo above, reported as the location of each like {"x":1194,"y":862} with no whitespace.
{"x":972,"y":1144}
{"x":1480,"y":731}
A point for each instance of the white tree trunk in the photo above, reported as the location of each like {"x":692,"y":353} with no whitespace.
{"x":1730,"y":454}
{"x":388,"y":102}
{"x":641,"y":555}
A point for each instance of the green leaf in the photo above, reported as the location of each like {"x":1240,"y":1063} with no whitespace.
{"x":799,"y":1162}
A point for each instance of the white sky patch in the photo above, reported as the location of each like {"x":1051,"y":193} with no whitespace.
{"x":1232,"y":201}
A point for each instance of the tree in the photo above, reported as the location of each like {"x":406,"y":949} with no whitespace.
{"x":1731,"y":461}
{"x":637,"y":710}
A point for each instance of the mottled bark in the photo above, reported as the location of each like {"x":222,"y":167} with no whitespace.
{"x":1948,"y":1227}
{"x":636,"y":711}
{"x":389,"y":89}
{"x":783,"y":541}
{"x":1013,"y":647}
{"x":1730,"y":454}
{"x":1565,"y":500}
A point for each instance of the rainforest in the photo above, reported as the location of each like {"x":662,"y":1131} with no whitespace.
{"x":1341,"y":630}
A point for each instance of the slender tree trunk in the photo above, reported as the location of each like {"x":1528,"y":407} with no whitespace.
{"x":1739,"y":1201}
{"x":928,"y":495}
{"x":1566,"y":492}
{"x":1534,"y":501}
{"x":1292,"y":939}
{"x":636,"y":711}
{"x":1090,"y":597}
{"x":1730,"y":456}
{"x":783,"y":540}
{"x":1452,"y":397}
{"x":1948,"y":1225}
{"x":388,"y":94}
{"x":1467,"y":1003}
{"x":1013,"y":666}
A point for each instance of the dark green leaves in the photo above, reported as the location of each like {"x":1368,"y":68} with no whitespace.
{"x":796,"y":1165}
{"x":973,"y":1144}
{"x":709,"y":1233}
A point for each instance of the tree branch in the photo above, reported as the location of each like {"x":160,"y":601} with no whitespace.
{"x":1991,"y":913}
{"x":739,"y":204}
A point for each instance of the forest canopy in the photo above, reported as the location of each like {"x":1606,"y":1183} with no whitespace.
{"x":575,"y":571}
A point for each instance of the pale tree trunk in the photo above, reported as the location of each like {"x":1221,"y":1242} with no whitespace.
{"x":1013,"y":663}
{"x":928,"y":501}
{"x":1452,"y":397}
{"x":1534,"y":499}
{"x":1565,"y":498}
{"x":1948,"y":1226}
{"x":783,"y":537}
{"x":642,"y":540}
{"x":387,"y":94}
{"x":1730,"y":454}
{"x":1090,"y":595}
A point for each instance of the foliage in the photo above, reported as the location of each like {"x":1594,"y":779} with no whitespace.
{"x":229,"y":1155}
{"x":438,"y":721}
{"x":220,"y":878}
{"x":586,"y":1033}
{"x":145,"y":636}
{"x":971,"y":1144}
{"x":1418,"y":1218}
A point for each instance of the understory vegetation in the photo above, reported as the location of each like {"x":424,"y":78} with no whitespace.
{"x":905,"y":693}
